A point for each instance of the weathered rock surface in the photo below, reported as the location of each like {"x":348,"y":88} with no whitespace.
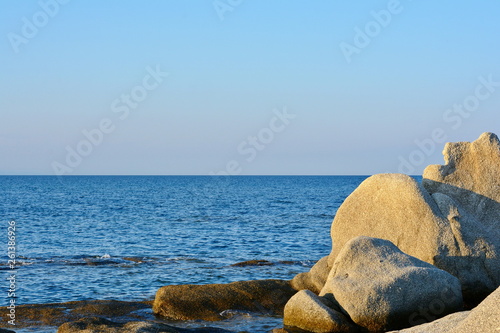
{"x":467,"y":190}
{"x":437,"y":229}
{"x":56,"y":314}
{"x":382,"y":288}
{"x":397,"y":208}
{"x":310,"y":312}
{"x":476,"y":262}
{"x":315,"y":279}
{"x":485,"y":318}
{"x":101,"y":325}
{"x":208,"y":302}
{"x":471,"y":176}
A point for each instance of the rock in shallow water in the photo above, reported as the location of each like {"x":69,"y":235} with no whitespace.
{"x":253,"y":263}
{"x":55,"y":314}
{"x":208,"y":302}
{"x":101,"y":325}
{"x":382,"y":288}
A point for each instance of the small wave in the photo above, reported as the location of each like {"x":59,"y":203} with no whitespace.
{"x":232,"y":313}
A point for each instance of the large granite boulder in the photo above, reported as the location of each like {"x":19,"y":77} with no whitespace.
{"x":210,"y":302}
{"x":310,"y":312}
{"x":451,"y":220}
{"x":471,"y":176}
{"x":315,"y":279}
{"x":397,"y":208}
{"x":381,"y":288}
{"x":467,"y":190}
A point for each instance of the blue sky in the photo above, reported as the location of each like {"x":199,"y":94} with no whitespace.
{"x":253,"y":86}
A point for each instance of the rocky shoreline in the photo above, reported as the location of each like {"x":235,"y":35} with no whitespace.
{"x":406,"y":257}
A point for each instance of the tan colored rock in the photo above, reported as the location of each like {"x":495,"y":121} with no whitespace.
{"x":436,"y":229}
{"x":471,"y":176}
{"x":315,"y":279}
{"x":477,"y":261}
{"x":467,"y":190}
{"x":210,"y":302}
{"x":309,"y":312}
{"x":381,"y":288}
{"x":397,"y":208}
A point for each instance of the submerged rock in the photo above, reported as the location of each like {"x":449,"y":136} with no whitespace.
{"x":101,"y":325}
{"x":208,"y":302}
{"x":253,"y":263}
{"x":56,"y":314}
{"x":382,"y":288}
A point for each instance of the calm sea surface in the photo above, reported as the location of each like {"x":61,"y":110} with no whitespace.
{"x":123,"y":237}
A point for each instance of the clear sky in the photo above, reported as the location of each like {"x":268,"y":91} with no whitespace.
{"x":253,"y":87}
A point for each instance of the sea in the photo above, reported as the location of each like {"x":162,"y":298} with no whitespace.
{"x":124,"y":237}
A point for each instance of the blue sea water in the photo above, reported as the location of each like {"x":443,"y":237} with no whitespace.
{"x":123,"y":237}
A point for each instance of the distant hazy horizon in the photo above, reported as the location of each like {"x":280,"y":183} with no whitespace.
{"x":243,"y":87}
